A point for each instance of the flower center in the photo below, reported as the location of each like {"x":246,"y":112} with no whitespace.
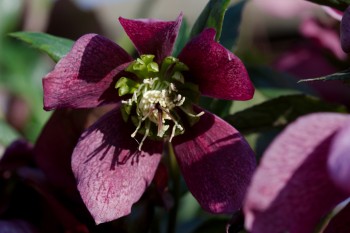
{"x":158,"y":98}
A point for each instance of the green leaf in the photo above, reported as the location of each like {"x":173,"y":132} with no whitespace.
{"x":182,"y":38}
{"x":218,"y":106}
{"x":272,"y":83}
{"x":212,"y":225}
{"x":7,"y":133}
{"x":279,"y":112}
{"x":342,"y":75}
{"x":212,"y":16}
{"x":10,"y":15}
{"x":22,"y":78}
{"x":55,"y":47}
{"x":232,"y":21}
{"x":339,"y":4}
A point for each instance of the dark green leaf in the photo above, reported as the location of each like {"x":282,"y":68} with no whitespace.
{"x":7,"y":133}
{"x":212,"y":16}
{"x":212,"y":225}
{"x":278,"y":112}
{"x":232,"y":21}
{"x":55,"y":47}
{"x":182,"y":38}
{"x":339,"y":4}
{"x":342,"y":75}
{"x":218,"y":106}
{"x":272,"y":83}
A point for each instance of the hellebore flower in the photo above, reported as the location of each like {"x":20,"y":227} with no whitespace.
{"x":116,"y":158}
{"x":302,"y":176}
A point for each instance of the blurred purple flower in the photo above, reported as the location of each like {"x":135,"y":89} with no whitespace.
{"x":345,"y":31}
{"x":111,"y":170}
{"x":16,"y":226}
{"x":286,"y":9}
{"x":312,"y":57}
{"x":302,"y":176}
{"x":18,"y":169}
{"x":344,"y":17}
{"x":336,"y":14}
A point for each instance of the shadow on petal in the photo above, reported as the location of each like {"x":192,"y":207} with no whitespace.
{"x":86,"y":76}
{"x":216,"y":71}
{"x":111,"y":172}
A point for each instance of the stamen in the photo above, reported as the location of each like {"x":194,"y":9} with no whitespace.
{"x":146,"y":134}
{"x":155,"y":97}
{"x":137,"y":129}
{"x":190,"y":114}
{"x":160,"y":124}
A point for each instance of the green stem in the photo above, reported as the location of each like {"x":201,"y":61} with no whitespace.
{"x":175,"y":177}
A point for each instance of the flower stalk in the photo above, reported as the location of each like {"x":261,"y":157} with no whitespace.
{"x":175,"y":190}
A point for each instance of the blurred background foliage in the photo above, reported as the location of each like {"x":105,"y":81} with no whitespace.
{"x":280,"y":43}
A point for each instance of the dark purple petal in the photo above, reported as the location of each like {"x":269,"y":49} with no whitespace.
{"x":152,"y":36}
{"x":110,"y":171}
{"x":19,"y":153}
{"x":345,"y":31}
{"x":340,"y":222}
{"x":216,"y":162}
{"x":339,"y":160}
{"x":291,"y":190}
{"x":54,"y":147}
{"x":86,"y":76}
{"x":217,"y":71}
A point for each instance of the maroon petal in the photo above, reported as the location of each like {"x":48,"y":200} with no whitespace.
{"x":291,"y":190}
{"x":86,"y":76}
{"x":217,"y":71}
{"x":152,"y":36}
{"x":345,"y":31}
{"x":340,"y":223}
{"x":110,"y":171}
{"x":54,"y":147}
{"x":339,"y":161}
{"x":216,"y":162}
{"x":18,"y":154}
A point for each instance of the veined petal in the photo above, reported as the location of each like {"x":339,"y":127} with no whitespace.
{"x":291,"y":190}
{"x":345,"y":31}
{"x":86,"y":76}
{"x":152,"y":36}
{"x":111,"y":173}
{"x":54,"y":147}
{"x":216,"y":162}
{"x":217,"y":71}
{"x":339,"y":160}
